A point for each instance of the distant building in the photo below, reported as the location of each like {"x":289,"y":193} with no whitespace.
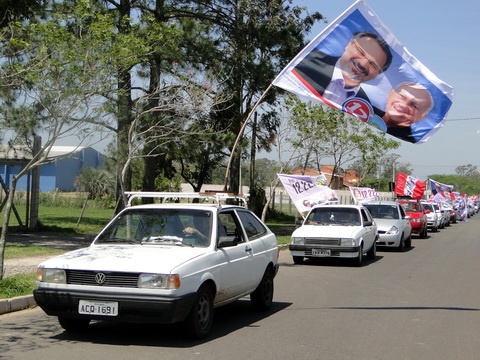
{"x":58,"y":174}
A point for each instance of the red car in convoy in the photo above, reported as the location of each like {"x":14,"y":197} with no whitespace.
{"x":418,"y":216}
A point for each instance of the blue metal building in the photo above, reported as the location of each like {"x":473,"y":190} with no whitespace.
{"x":60,"y":173}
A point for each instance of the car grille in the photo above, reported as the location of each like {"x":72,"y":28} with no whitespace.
{"x":116,"y":279}
{"x":322,"y":241}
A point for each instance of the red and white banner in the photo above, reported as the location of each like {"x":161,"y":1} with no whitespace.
{"x":306,"y":191}
{"x":407,"y":185}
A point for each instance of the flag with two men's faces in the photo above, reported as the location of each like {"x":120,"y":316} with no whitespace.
{"x":357,"y":65}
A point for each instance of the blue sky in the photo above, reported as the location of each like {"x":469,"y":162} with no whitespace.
{"x":445,"y":37}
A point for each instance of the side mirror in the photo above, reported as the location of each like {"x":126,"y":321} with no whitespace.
{"x":368,"y":223}
{"x":427,"y":211}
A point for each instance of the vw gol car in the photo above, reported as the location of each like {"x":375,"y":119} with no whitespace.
{"x":394,"y":229}
{"x":342,"y":231}
{"x":163,"y":263}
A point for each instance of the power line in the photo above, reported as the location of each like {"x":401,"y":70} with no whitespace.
{"x":463,"y":119}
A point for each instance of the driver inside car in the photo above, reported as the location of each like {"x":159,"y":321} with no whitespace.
{"x":200,"y":229}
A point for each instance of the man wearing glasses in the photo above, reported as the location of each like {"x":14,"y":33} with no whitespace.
{"x":335,"y":79}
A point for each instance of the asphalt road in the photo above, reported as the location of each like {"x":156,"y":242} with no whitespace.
{"x":420,"y":304}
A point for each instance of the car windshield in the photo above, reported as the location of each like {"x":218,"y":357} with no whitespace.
{"x":383,"y":211}
{"x":333,"y":216}
{"x":428,"y":207}
{"x":411,"y":206}
{"x":190,"y":227}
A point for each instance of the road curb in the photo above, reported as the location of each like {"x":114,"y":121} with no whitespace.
{"x":16,"y":304}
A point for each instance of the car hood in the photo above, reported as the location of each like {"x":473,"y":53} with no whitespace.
{"x":415,"y":214}
{"x":327,"y":231}
{"x":125,"y":258}
{"x":386,"y":224}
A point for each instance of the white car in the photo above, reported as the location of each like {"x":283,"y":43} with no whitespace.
{"x":344,"y":231}
{"x":163,"y":263}
{"x":394,"y":228}
{"x":433,"y":220}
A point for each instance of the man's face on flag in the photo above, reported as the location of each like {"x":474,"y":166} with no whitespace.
{"x":361,"y":61}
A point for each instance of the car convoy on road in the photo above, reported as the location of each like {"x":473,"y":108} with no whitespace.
{"x":177,"y":259}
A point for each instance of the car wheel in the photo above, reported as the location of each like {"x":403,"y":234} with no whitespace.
{"x":359,"y":259}
{"x":408,"y":242}
{"x":401,"y":245}
{"x":199,"y":321}
{"x":262,"y":297}
{"x":74,"y":325}
{"x":435,"y":229}
{"x":423,"y":235}
{"x":298,"y":260}
{"x":372,"y":253}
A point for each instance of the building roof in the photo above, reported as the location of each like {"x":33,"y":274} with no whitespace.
{"x":22,"y":154}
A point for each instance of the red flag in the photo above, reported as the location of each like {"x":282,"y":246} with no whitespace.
{"x":407,"y":185}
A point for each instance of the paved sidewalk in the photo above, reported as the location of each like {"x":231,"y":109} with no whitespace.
{"x":29,"y":264}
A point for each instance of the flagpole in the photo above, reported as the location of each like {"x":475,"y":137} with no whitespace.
{"x":240,"y":133}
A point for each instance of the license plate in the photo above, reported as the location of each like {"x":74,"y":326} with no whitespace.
{"x":105,"y":308}
{"x":321,"y":252}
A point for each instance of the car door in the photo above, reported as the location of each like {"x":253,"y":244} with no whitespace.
{"x":235,"y":261}
{"x":370,"y":230}
{"x":259,"y":241}
{"x":406,"y":222}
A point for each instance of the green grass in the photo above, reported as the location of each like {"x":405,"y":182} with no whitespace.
{"x":17,"y":285}
{"x":15,"y":251}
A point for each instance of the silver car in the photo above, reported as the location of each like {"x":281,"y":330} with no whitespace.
{"x":394,"y":229}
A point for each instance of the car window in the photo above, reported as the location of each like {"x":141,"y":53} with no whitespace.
{"x":365,"y":216}
{"x":155,"y":226}
{"x":334,"y":216}
{"x":253,"y":227}
{"x":383,"y":211}
{"x":227,"y":221}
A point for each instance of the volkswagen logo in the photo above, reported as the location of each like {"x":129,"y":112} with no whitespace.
{"x":100,"y":278}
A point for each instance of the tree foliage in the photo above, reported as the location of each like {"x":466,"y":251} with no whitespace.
{"x":330,"y":136}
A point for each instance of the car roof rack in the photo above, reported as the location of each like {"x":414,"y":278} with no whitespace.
{"x":217,"y":197}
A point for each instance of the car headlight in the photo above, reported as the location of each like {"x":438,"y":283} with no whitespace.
{"x":417,"y":220}
{"x":347,"y":242}
{"x":393,"y":231}
{"x":298,"y":240}
{"x":159,"y":281}
{"x":56,"y":276}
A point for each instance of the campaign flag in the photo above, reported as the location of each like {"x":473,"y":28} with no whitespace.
{"x":462,"y":209}
{"x":363,"y":194}
{"x":440,"y":192}
{"x":305,"y":192}
{"x":407,"y":185}
{"x":357,"y":65}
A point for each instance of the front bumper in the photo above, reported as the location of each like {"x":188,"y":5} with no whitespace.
{"x":131,"y":308}
{"x":388,"y":240}
{"x":335,"y":251}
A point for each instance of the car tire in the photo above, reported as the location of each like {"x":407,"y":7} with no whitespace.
{"x":298,"y":260}
{"x":401,"y":245}
{"x":372,"y":253}
{"x":199,"y":321}
{"x":73,"y":325}
{"x":262,"y":297}
{"x":359,"y":259}
{"x":408,"y":242}
{"x":423,"y":235}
